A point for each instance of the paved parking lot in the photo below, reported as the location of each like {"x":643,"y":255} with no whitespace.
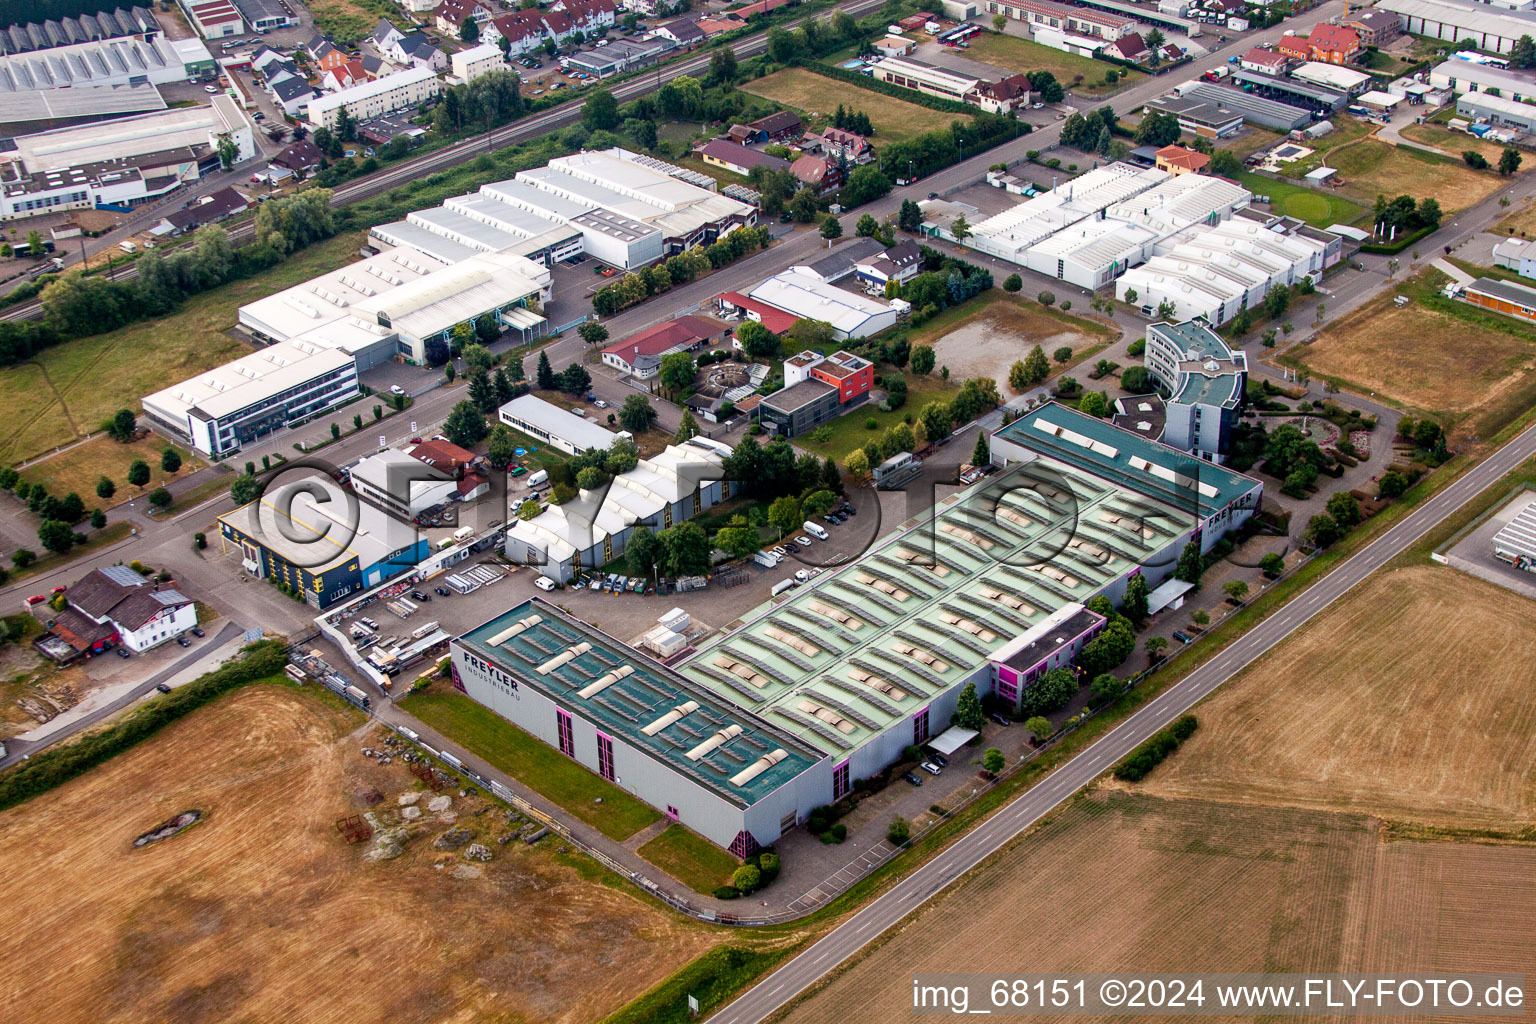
{"x":1474,"y":552}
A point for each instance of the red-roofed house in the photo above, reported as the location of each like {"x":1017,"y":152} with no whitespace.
{"x":818,"y":172}
{"x":443,"y":456}
{"x":639,"y":355}
{"x":1177,"y":160}
{"x":452,"y":14}
{"x":851,"y":146}
{"x":1001,"y":97}
{"x":1264,"y":61}
{"x":523,"y":30}
{"x":776,"y":320}
{"x":348,"y":74}
{"x":1329,"y":44}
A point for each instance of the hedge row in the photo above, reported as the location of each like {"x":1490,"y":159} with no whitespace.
{"x":1151,"y":753}
{"x":57,"y":766}
{"x":1403,"y":242}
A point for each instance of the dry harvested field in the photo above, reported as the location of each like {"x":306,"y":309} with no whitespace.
{"x":894,"y":119}
{"x":1452,"y":144}
{"x":1521,"y":222}
{"x":1409,"y":698}
{"x":1425,"y":358}
{"x":1371,"y":167}
{"x":262,"y":913}
{"x":1127,"y":882}
{"x":989,"y":341}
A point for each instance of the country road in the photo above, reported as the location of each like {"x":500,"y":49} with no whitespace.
{"x":911,"y":892}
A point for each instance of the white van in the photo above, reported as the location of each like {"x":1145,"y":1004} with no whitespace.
{"x":128,"y":247}
{"x":814,"y":529}
{"x":463,"y":533}
{"x":544,"y":583}
{"x":539,"y":479}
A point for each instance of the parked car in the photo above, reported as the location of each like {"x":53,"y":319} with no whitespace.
{"x":930,"y":768}
{"x":939,"y":759}
{"x":1002,"y":720}
{"x":421,"y":595}
{"x":182,"y":641}
{"x":197,"y":631}
{"x":544,"y":583}
{"x":1182,"y":637}
{"x":396,"y":389}
{"x":600,"y":403}
{"x":162,"y":688}
{"x":913,"y":779}
{"x":804,"y":542}
{"x":440,"y":591}
{"x":123,"y":652}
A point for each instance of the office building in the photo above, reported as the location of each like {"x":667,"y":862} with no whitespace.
{"x":385,"y":95}
{"x":1206,"y":382}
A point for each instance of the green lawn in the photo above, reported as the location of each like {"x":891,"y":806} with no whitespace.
{"x":1081,"y":74}
{"x":691,"y":859}
{"x":849,"y":430}
{"x":535,"y":764}
{"x":1317,"y":208}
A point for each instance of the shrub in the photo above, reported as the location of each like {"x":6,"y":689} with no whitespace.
{"x":769,"y":865}
{"x":898,"y":832}
{"x":746,"y":878}
{"x":1150,"y":754}
{"x":839,"y":831}
{"x":727,"y":892}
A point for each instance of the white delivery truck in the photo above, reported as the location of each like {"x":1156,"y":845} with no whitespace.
{"x":781,"y":586}
{"x":766,"y":559}
{"x":539,"y":479}
{"x":814,"y":529}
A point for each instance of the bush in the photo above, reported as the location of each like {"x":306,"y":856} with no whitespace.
{"x":769,"y":865}
{"x":746,"y":878}
{"x":839,"y":831}
{"x":898,"y":832}
{"x":1151,"y":753}
{"x":727,"y":892}
{"x":54,"y":767}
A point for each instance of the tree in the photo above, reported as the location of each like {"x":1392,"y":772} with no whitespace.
{"x":1191,"y":564}
{"x":56,"y":536}
{"x":1392,"y":484}
{"x":722,"y":66}
{"x":170,"y":460}
{"x":922,"y":360}
{"x":1157,"y":130}
{"x":867,"y":227}
{"x":122,"y":426}
{"x":590,"y":478}
{"x":1344,"y":509}
{"x":1137,"y":380}
{"x":1155,"y":646}
{"x":1225,"y":164}
{"x":243,"y":489}
{"x":228,"y":152}
{"x":1046,"y":299}
{"x":1475,"y":160}
{"x":1322,"y":530}
{"x":1105,"y":689}
{"x":677,"y":371}
{"x":600,"y":112}
{"x":784,"y":515}
{"x":23,"y":558}
{"x":643,"y":551}
{"x":1155,"y":40}
{"x":574,"y":379}
{"x":968,"y":712}
{"x":465,"y":425}
{"x":1272,"y":565}
{"x":544,"y":376}
{"x":105,"y":488}
{"x":502,"y":445}
{"x":992,"y":760}
{"x":857,"y":464}
{"x":160,"y":497}
{"x":818,"y":503}
{"x":1041,"y":727}
{"x":593,"y":333}
{"x":960,"y":230}
{"x":637,"y":414}
{"x":757,"y":341}
{"x":686,"y":427}
{"x":1036,"y":366}
{"x":686,"y":549}
{"x":99,"y":520}
{"x":1237,"y":590}
{"x":1054,"y":689}
{"x":138,"y":473}
{"x":898,"y":832}
{"x":910,"y":219}
{"x":1509,"y":161}
{"x":1094,"y":403}
{"x":999,"y":22}
{"x":981,"y":454}
{"x":831,"y":229}
{"x":1135,"y":606}
{"x":1013,"y":283}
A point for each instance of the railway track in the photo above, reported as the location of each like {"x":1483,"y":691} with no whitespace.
{"x":539,"y":124}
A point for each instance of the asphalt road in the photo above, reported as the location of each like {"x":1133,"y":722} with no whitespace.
{"x":991,"y":835}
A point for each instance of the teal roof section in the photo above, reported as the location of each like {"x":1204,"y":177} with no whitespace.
{"x":1138,"y":464}
{"x":1210,"y":372}
{"x":625,"y":694}
{"x":860,"y":648}
{"x":1196,"y":339}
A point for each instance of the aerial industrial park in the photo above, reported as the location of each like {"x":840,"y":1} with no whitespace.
{"x":801,"y":510}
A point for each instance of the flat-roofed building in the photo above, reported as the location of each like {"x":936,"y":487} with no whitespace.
{"x":1461,"y":76}
{"x":1259,"y":110}
{"x":384,"y":95}
{"x":925,"y":78}
{"x":469,"y":64}
{"x":1010,"y":234}
{"x":1484,"y":26}
{"x":805,"y":296}
{"x":1504,"y":297}
{"x":401,"y":484}
{"x":799,"y":408}
{"x":320,"y":541}
{"x":562,"y":428}
{"x":1206,"y":119}
{"x":1206,"y":382}
{"x":1106,"y":25}
{"x":1497,"y":110}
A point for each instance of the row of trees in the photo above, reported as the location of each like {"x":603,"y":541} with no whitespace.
{"x":634,"y":288}
{"x":934,"y":422}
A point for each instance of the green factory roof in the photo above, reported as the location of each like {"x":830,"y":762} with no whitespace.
{"x":685,"y":726}
{"x":838,"y":661}
{"x":1127,"y":459}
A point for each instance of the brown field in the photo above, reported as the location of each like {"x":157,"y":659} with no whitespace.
{"x":1116,"y":880}
{"x":1410,"y":698}
{"x":894,"y":119}
{"x":262,"y":913}
{"x":1451,"y":365}
{"x":1371,"y":167}
{"x":1521,"y":222}
{"x":986,"y":342}
{"x":79,"y":468}
{"x":1452,"y":144}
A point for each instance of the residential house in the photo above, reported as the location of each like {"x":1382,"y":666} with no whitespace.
{"x":718,"y":24}
{"x":588,"y":15}
{"x":302,"y":158}
{"x":1178,"y":160}
{"x":1328,"y":44}
{"x":685,"y":32}
{"x":900,"y":263}
{"x":385,"y":35}
{"x":783,"y":126}
{"x":292,"y":94}
{"x":1002,"y":97}
{"x":116,"y":606}
{"x":818,"y":173}
{"x":209,"y":209}
{"x":451,"y":15}
{"x":472,"y":62}
{"x":415,"y":50}
{"x":737,"y":158}
{"x":1131,"y":47}
{"x":894,"y":46}
{"x":1264,"y":61}
{"x":345,"y":76}
{"x":850,"y":146}
{"x":316,"y":44}
{"x":330,"y":58}
{"x":265,"y":57}
{"x":522,"y":31}
{"x":640,"y":355}
{"x":1375,"y":27}
{"x":444,"y":456}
